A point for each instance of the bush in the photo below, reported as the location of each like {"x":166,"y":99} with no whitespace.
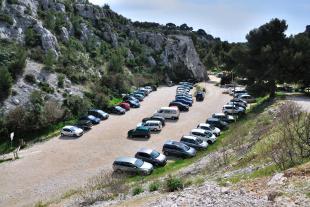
{"x":46,"y":87}
{"x":32,"y":39}
{"x":16,"y":68}
{"x":49,"y":60}
{"x":61,"y":78}
{"x":29,"y":78}
{"x":137,"y":190}
{"x":6,"y":18}
{"x":116,"y":62}
{"x":77,"y":105}
{"x":154,"y":186}
{"x":5,"y":83}
{"x":174,"y":184}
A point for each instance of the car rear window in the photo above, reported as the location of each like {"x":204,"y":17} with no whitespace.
{"x":139,"y":163}
{"x":154,"y":154}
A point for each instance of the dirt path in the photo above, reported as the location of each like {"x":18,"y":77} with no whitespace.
{"x":51,"y":168}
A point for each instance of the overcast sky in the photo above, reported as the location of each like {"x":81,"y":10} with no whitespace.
{"x":228,"y":19}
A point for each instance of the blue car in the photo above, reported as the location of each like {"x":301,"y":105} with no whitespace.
{"x":184,"y":97}
{"x":91,"y":118}
{"x":133,"y":104}
{"x":184,"y":101}
{"x":138,"y":96}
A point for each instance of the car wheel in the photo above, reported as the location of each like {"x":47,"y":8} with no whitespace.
{"x":209,"y":142}
{"x":118,"y":171}
{"x":62,"y":134}
{"x":166,"y":153}
{"x":148,"y":136}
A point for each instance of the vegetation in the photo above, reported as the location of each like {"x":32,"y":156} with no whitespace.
{"x":154,"y":186}
{"x":174,"y":184}
{"x":137,"y":190}
{"x":5,"y":83}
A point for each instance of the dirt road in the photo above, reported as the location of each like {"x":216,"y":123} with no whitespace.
{"x":51,"y":168}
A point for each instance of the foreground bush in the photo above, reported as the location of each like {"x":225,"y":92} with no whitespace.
{"x":174,"y":184}
{"x":137,"y":190}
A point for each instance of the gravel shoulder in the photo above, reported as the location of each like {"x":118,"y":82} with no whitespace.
{"x":49,"y":169}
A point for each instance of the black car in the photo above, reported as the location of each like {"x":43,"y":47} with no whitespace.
{"x":139,"y":132}
{"x":239,"y":101}
{"x":154,"y":87}
{"x":93,"y":119}
{"x":156,"y":118}
{"x":239,"y":104}
{"x":130,"y":97}
{"x":217,"y":123}
{"x":117,"y":110}
{"x":133,"y":104}
{"x":99,"y":114}
{"x":84,"y":124}
{"x":200,"y":96}
{"x":181,"y":106}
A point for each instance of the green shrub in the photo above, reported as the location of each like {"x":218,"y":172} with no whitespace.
{"x":5,"y":83}
{"x":116,"y":62}
{"x":154,"y":186}
{"x":46,"y":87}
{"x":49,"y":60}
{"x":77,"y":105}
{"x":61,"y":78}
{"x":174,"y":184}
{"x":30,"y":78}
{"x":6,"y":18}
{"x":17,"y":66}
{"x":32,"y":38}
{"x":137,"y":190}
{"x":12,"y":1}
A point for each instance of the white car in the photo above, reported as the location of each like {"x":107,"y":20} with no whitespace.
{"x":216,"y":131}
{"x":153,"y":125}
{"x":168,"y":113}
{"x":71,"y":131}
{"x":205,"y":135}
{"x":149,"y":88}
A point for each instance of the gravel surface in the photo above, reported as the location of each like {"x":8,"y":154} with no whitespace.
{"x":210,"y":194}
{"x":52,"y":168}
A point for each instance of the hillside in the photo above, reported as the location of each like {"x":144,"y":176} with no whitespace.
{"x":53,"y":52}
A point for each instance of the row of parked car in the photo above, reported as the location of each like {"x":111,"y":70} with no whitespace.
{"x":199,"y":138}
{"x":95,"y":116}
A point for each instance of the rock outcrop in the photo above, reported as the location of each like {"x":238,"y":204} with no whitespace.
{"x":182,"y":60}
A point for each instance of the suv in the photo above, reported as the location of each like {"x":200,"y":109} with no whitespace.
{"x":99,"y":114}
{"x":217,"y":123}
{"x":133,"y":104}
{"x":133,"y":165}
{"x":178,"y":149}
{"x":84,"y":124}
{"x":194,"y":142}
{"x":205,"y":135}
{"x":153,"y":125}
{"x":157,"y":118}
{"x":71,"y":131}
{"x":139,"y":132}
{"x":224,"y":117}
{"x":151,"y":156}
{"x":168,"y":113}
{"x":216,"y":131}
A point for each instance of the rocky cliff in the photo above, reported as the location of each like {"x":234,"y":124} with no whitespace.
{"x":81,"y":38}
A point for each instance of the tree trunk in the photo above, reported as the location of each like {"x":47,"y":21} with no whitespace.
{"x":272,"y":89}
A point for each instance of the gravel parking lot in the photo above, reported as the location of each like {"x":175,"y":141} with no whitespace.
{"x":53,"y":167}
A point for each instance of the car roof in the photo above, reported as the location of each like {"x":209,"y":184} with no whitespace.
{"x":219,"y":114}
{"x":145,"y":150}
{"x":189,"y":137}
{"x":171,"y":142}
{"x":126,"y":159}
{"x":204,"y":124}
{"x":198,"y":130}
{"x":153,"y":121}
{"x":168,"y":108}
{"x":212,"y":119}
{"x":228,"y":105}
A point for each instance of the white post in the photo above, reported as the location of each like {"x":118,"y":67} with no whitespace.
{"x":12,"y":137}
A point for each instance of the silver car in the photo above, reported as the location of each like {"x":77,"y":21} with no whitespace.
{"x":216,"y":131}
{"x":151,"y":156}
{"x":194,"y":142}
{"x":133,"y":165}
{"x":71,"y":131}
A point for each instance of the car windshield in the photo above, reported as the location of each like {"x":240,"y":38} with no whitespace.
{"x":91,"y":117}
{"x":199,"y":140}
{"x":184,"y":147}
{"x":139,"y":163}
{"x":154,"y":154}
{"x":73,"y":128}
{"x":212,"y":127}
{"x":118,"y":107}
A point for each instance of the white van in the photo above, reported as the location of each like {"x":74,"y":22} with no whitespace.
{"x":153,"y":125}
{"x":168,"y":113}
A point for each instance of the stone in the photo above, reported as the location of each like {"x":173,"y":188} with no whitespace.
{"x":151,"y":61}
{"x":277,"y":179}
{"x":15,"y":101}
{"x":64,"y":34}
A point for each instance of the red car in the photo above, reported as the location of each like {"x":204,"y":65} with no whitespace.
{"x":125,"y":106}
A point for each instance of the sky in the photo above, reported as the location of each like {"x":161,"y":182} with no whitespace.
{"x":230,"y":20}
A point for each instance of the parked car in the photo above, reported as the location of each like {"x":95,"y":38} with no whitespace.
{"x":157,"y":118}
{"x":188,"y":84}
{"x":93,"y":119}
{"x":185,"y":96}
{"x":238,"y":104}
{"x":139,"y":132}
{"x":217,"y":123}
{"x":200,"y":96}
{"x":149,"y":88}
{"x":181,"y":106}
{"x":205,"y":135}
{"x":84,"y":124}
{"x":138,"y":96}
{"x":248,"y":98}
{"x":130,"y":97}
{"x":178,"y":149}
{"x":151,"y":156}
{"x":71,"y":131}
{"x":216,"y":131}
{"x":153,"y":125}
{"x":170,"y":84}
{"x":168,"y":113}
{"x":99,"y":114}
{"x":117,"y":110}
{"x":184,"y":101}
{"x":194,"y":142}
{"x":133,"y":104}
{"x":146,"y":92}
{"x":133,"y":165}
{"x":224,"y":117}
{"x":125,"y":105}
{"x":154,"y":88}
{"x":238,"y":100}
{"x":233,"y":109}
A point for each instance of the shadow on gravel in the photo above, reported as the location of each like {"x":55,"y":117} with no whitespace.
{"x":140,"y":139}
{"x":68,"y":138}
{"x":171,"y":121}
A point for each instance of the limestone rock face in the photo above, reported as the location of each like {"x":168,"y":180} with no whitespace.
{"x":154,"y":40}
{"x":49,"y":41}
{"x":182,"y":60}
